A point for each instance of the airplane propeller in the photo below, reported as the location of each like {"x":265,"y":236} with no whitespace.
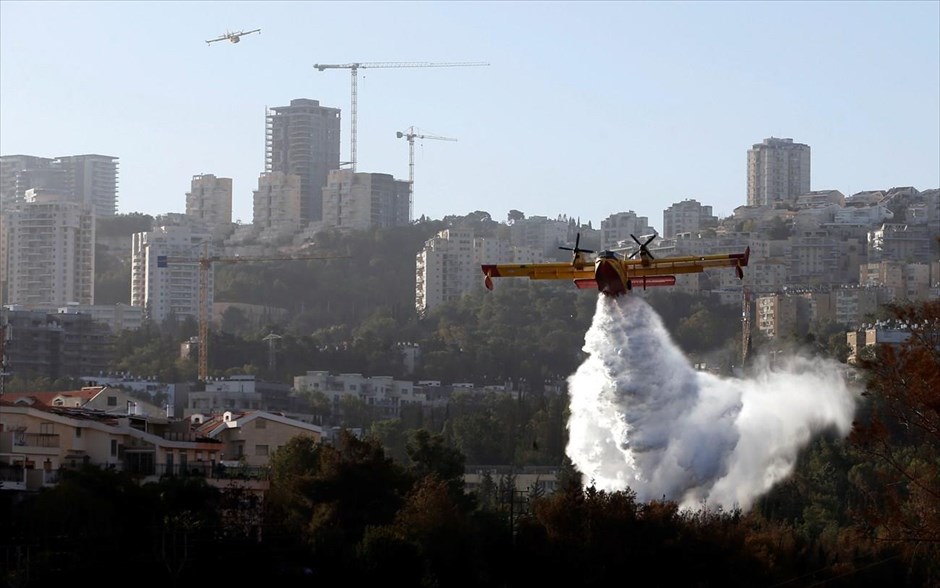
{"x":643,"y":248}
{"x":576,"y":249}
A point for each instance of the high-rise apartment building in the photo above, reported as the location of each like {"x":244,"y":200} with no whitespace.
{"x":778,"y":170}
{"x":449,"y":265}
{"x":617,"y":228}
{"x":304,"y":139}
{"x":277,"y":204}
{"x":93,"y":179}
{"x":15,"y":171}
{"x":210,"y":200}
{"x":687,"y":216}
{"x":540,"y":233}
{"x":171,"y":288}
{"x":361,"y":201}
{"x":89,"y":179}
{"x":445,"y":269}
{"x":50,"y":251}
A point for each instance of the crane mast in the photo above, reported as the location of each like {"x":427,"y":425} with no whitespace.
{"x":411,"y":134}
{"x":206,"y":262}
{"x":354,"y":71}
{"x":745,"y":324}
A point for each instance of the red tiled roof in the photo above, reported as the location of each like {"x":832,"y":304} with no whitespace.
{"x":46,"y":398}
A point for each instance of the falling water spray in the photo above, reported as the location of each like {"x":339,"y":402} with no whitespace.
{"x":642,"y":418}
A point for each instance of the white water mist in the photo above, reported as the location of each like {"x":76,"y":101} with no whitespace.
{"x":642,"y":418}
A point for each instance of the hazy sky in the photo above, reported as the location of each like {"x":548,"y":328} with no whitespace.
{"x":586,"y":109}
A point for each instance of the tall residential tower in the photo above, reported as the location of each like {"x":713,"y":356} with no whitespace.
{"x":303,"y":139}
{"x":51,"y":251}
{"x":88,"y":179}
{"x":777,"y":171}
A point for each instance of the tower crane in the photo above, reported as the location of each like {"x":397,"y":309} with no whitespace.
{"x":206,"y":262}
{"x":411,"y":134}
{"x":354,"y":70}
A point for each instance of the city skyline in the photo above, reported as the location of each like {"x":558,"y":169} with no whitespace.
{"x":584,"y":109}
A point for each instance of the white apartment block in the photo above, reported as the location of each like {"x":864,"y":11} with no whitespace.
{"x":93,"y":179}
{"x":50,"y":250}
{"x":119,"y":317}
{"x":808,"y":219}
{"x":491,"y":250}
{"x":776,"y":315}
{"x":617,"y":228}
{"x":15,"y":171}
{"x":488,"y":250}
{"x":172,"y":290}
{"x":84,"y":179}
{"x":381,"y":393}
{"x":445,"y":269}
{"x":907,"y":281}
{"x":688,"y":216}
{"x":814,"y":259}
{"x":852,"y":305}
{"x":778,"y":170}
{"x":817,"y":198}
{"x":539,"y":232}
{"x":874,"y":214}
{"x":359,"y":201}
{"x":897,"y":241}
{"x":277,"y":204}
{"x":210,"y":200}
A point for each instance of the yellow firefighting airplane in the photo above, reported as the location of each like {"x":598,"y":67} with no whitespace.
{"x":614,"y":276}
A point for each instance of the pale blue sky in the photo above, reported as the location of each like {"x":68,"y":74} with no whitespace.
{"x":587,"y":108}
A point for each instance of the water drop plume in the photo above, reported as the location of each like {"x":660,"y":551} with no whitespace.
{"x":643,"y":418}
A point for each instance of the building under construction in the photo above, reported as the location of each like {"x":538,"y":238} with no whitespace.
{"x":304,"y":139}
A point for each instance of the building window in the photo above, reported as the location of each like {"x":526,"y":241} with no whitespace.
{"x":261,"y":450}
{"x":114,"y":447}
{"x":112,"y":400}
{"x":78,"y":432}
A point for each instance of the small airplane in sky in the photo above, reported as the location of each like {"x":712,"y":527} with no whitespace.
{"x":613,"y":275}
{"x":233,"y":37}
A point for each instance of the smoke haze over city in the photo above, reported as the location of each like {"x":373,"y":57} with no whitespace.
{"x":643,"y":418}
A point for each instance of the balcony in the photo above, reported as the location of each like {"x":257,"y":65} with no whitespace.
{"x":31,"y":443}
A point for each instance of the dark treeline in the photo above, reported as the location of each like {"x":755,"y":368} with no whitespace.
{"x":861,"y":511}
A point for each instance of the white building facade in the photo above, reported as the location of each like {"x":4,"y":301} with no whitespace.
{"x":359,"y":201}
{"x":51,"y":251}
{"x":778,"y":170}
{"x":165,"y":272}
{"x":209,"y":200}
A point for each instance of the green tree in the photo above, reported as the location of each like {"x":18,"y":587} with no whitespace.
{"x":899,"y":480}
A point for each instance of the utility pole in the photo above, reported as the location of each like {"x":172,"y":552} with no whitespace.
{"x":272,"y":357}
{"x":354,"y":71}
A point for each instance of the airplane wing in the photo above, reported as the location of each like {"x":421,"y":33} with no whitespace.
{"x":685,"y":264}
{"x":210,"y":41}
{"x":535,"y":271}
